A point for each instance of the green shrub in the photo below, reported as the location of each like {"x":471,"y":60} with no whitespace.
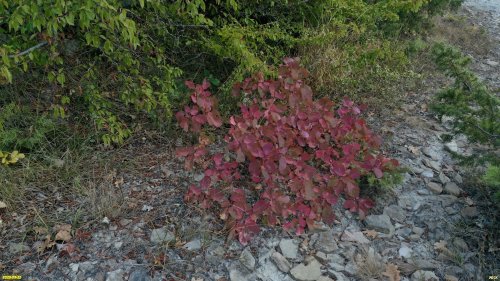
{"x":23,"y":130}
{"x":492,"y":179}
{"x":112,"y":63}
{"x":475,"y":109}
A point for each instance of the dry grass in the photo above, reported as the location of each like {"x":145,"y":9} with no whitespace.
{"x":369,"y":264}
{"x":460,"y":32}
{"x":373,"y":72}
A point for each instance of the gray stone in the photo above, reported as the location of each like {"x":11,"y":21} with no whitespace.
{"x":321,"y":256}
{"x":432,"y":164}
{"x":448,"y":200}
{"x":405,"y":251}
{"x":339,"y":276}
{"x":431,"y":153}
{"x":428,"y":173}
{"x":289,"y":248}
{"x":281,"y":262}
{"x":381,"y":223}
{"x":214,"y":254}
{"x":264,"y":254}
{"x":74,"y":266}
{"x":421,"y":275}
{"x":443,"y":178}
{"x":451,"y":146}
{"x":458,"y":178}
{"x":450,"y":278}
{"x":336,"y":258}
{"x":247,"y":259}
{"x":326,"y":242}
{"x":199,"y":177}
{"x":417,"y":170}
{"x":325,"y":278}
{"x":140,"y":274}
{"x":116,"y":275}
{"x":336,"y":266}
{"x":193,"y":245}
{"x":470,"y":269}
{"x":161,"y":235}
{"x":492,"y":62}
{"x":269,"y":272}
{"x":461,"y":244}
{"x":356,"y":236}
{"x":403,"y":232}
{"x":236,"y":275}
{"x":395,"y":212}
{"x":18,"y":247}
{"x":435,"y":187}
{"x":451,"y":210}
{"x":351,"y":268}
{"x":410,"y":202}
{"x":418,"y":230}
{"x":309,"y":270}
{"x":118,"y":245}
{"x":452,"y":188}
{"x":469,"y":212}
{"x":454,"y":270}
{"x":424,"y":264}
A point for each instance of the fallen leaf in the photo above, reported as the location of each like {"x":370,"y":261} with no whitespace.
{"x":119,"y":182}
{"x":40,"y":230}
{"x":63,"y":235}
{"x":41,"y":246}
{"x":67,"y":250}
{"x":3,"y":205}
{"x":59,"y":227}
{"x":414,"y":150}
{"x":196,"y":279}
{"x":450,"y":278}
{"x":82,"y":234}
{"x":440,"y":246}
{"x":392,"y":272}
{"x":371,"y":233}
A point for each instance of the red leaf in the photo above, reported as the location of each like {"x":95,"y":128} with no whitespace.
{"x":306,"y":93}
{"x":189,"y":84}
{"x":214,"y":119}
{"x":351,"y":205}
{"x":378,"y":173}
{"x":309,"y":193}
{"x":352,"y":190}
{"x":205,"y":85}
{"x":183,"y":152}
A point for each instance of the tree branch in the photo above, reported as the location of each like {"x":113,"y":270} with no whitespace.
{"x":27,"y":51}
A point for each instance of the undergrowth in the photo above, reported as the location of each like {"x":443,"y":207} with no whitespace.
{"x":289,"y":157}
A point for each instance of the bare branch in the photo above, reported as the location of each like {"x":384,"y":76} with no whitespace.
{"x":27,"y":51}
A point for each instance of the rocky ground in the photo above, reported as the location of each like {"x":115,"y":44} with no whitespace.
{"x":428,"y":228}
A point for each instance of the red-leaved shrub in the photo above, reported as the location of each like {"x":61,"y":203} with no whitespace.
{"x":289,"y":157}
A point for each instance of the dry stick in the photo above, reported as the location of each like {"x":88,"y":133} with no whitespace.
{"x":27,"y":51}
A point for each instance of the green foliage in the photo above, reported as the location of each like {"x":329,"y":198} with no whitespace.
{"x":23,"y":130}
{"x":358,"y":50}
{"x":8,"y":158}
{"x":492,"y":179}
{"x":91,"y":51}
{"x":389,"y":180}
{"x":474,"y":108}
{"x":112,"y":63}
{"x":476,"y":111}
